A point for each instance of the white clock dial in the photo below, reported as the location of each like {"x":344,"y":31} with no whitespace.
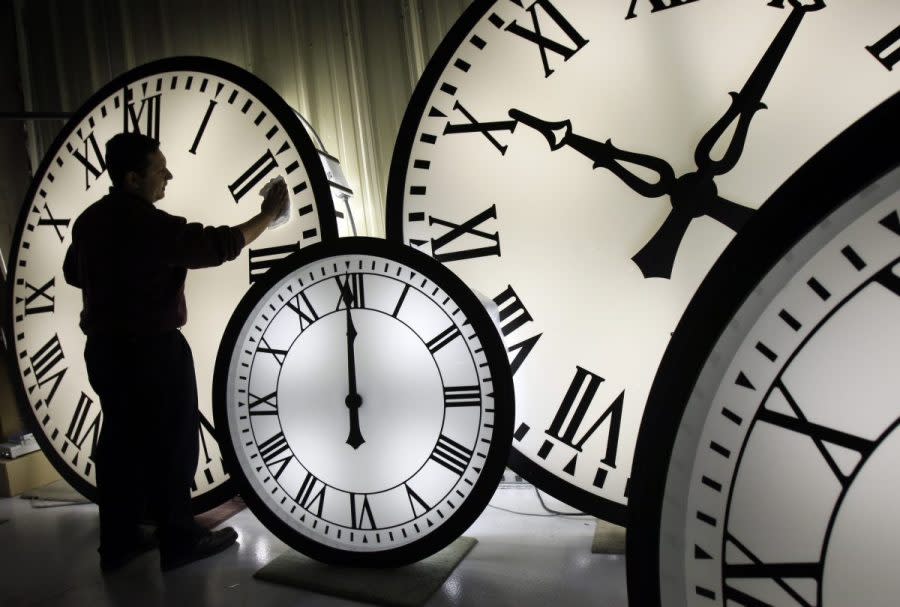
{"x":224,"y":134}
{"x":777,"y":484}
{"x":584,"y":163}
{"x":368,"y":402}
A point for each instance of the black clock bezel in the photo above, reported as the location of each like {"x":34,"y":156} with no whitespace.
{"x":318,"y":182}
{"x":863,"y":152}
{"x":504,"y":400}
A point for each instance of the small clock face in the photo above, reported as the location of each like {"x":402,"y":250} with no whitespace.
{"x":780,"y":486}
{"x":368,"y":402}
{"x":584,"y":163}
{"x":224,"y":134}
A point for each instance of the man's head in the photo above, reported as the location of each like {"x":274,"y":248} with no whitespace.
{"x":136,"y":166}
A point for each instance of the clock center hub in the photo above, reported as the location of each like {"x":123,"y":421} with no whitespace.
{"x":398,"y":393}
{"x":693,"y":194}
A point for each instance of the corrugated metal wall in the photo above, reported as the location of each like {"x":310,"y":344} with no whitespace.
{"x":349,"y":66}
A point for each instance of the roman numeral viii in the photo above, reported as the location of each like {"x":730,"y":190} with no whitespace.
{"x":276,"y":452}
{"x":311,"y":494}
{"x":48,"y":366}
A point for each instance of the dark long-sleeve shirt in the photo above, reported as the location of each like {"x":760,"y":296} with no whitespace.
{"x":130,"y":260}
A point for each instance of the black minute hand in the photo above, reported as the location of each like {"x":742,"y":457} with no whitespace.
{"x":749,"y":101}
{"x":695,"y":194}
{"x":353,"y":400}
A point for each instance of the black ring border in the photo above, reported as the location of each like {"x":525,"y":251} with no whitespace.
{"x":504,"y":402}
{"x":541,"y":478}
{"x":863,"y":152}
{"x":318,"y":182}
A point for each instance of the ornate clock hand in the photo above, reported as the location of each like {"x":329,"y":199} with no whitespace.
{"x":728,"y":213}
{"x":746,"y":103}
{"x":695,"y":194}
{"x":353,"y":400}
{"x":604,"y":154}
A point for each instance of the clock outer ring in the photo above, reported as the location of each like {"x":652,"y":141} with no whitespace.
{"x":318,"y":182}
{"x":541,"y":478}
{"x":863,"y":152}
{"x":504,"y":402}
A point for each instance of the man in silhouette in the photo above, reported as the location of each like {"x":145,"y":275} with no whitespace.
{"x":130,"y":260}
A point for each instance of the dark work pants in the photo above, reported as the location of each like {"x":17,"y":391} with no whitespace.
{"x":148,"y":447}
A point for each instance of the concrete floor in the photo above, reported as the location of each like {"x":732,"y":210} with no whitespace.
{"x":49,"y":558}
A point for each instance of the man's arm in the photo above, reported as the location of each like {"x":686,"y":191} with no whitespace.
{"x":272,"y":206}
{"x":193,"y":245}
{"x":70,"y":267}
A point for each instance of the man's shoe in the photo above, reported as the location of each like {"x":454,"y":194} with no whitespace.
{"x":113,"y":560}
{"x":205,"y":546}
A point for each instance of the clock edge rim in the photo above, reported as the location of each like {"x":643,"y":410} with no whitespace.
{"x":492,"y":472}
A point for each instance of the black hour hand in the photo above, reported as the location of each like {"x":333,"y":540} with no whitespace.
{"x":605,"y":155}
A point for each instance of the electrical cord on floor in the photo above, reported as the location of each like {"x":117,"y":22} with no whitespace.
{"x":556,"y":512}
{"x":544,"y":506}
{"x":53,"y":503}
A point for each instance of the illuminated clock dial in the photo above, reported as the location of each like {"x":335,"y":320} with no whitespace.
{"x":224,"y":134}
{"x":584,"y":163}
{"x":766,"y":465}
{"x":367,"y":400}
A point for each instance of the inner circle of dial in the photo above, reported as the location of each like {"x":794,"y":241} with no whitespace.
{"x":400,"y":391}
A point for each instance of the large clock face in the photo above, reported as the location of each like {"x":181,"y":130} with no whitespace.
{"x":766,"y":468}
{"x":368,"y":402}
{"x":583,"y":163}
{"x":224,"y":134}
